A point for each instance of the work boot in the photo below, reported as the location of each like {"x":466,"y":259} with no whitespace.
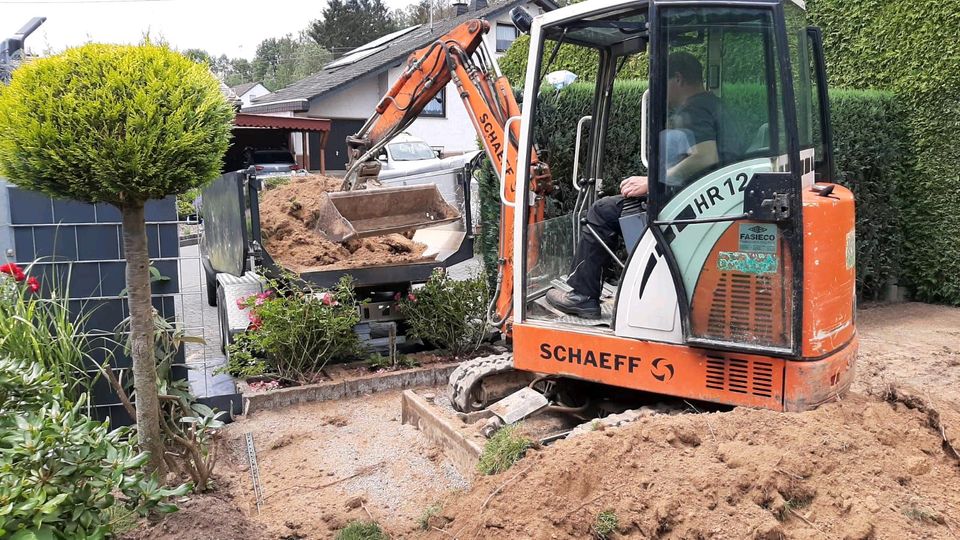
{"x":574,"y":303}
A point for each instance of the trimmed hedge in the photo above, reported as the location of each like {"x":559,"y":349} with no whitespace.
{"x":911,"y":48}
{"x":872,"y":156}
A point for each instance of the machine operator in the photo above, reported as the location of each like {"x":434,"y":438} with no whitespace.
{"x":692,"y":143}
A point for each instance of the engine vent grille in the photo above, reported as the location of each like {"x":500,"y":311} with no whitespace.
{"x":740,"y":376}
{"x":742,"y":309}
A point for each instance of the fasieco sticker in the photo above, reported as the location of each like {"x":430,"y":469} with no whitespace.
{"x":758,"y":238}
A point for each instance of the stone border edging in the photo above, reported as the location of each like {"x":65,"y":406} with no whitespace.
{"x":432,"y":375}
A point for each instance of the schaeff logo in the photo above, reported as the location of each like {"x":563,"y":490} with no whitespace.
{"x":588,"y":357}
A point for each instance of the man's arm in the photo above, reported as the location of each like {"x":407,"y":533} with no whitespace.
{"x":702,"y":155}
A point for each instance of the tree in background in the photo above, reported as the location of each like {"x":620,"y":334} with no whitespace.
{"x":281,"y":62}
{"x":118,"y":125}
{"x":347,"y":24}
{"x":419,"y":12}
{"x":199,"y":56}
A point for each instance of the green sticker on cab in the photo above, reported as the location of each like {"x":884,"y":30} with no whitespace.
{"x":758,"y":238}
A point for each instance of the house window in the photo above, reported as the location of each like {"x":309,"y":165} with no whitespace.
{"x":506,"y":34}
{"x":437,"y":108}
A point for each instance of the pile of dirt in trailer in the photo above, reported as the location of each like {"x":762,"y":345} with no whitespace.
{"x":288,"y":215}
{"x":865,"y":467}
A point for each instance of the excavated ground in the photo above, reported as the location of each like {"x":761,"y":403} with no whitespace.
{"x":288,"y":215}
{"x":878,"y":464}
{"x":874,"y":465}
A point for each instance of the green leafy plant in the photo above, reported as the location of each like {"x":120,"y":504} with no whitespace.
{"x":36,"y":325}
{"x":62,"y":474}
{"x":605,"y":524}
{"x":402,"y":361}
{"x":448,"y":313}
{"x":361,"y":530}
{"x":296,"y":331}
{"x":120,"y":125}
{"x":506,"y":447}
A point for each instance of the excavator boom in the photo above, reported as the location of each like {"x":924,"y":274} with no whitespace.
{"x":459,"y":56}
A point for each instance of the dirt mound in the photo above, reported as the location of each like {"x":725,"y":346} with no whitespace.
{"x":215,"y":515}
{"x":288,"y":214}
{"x":866,"y":467}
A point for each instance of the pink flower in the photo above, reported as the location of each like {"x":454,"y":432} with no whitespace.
{"x":327,"y":299}
{"x":255,"y":322}
{"x":242,"y":303}
{"x":258,"y":301}
{"x":33,"y":284}
{"x":411,"y":297}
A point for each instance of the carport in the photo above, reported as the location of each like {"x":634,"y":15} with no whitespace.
{"x":294,"y":133}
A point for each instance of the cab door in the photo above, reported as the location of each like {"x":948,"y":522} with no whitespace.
{"x":724,"y":172}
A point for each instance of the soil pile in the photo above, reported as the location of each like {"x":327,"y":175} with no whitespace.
{"x":201,"y":517}
{"x":865,"y":467}
{"x":288,"y":215}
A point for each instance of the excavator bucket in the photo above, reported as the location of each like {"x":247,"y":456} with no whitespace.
{"x":378,"y":211}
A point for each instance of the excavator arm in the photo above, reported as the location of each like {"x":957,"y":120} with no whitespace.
{"x":459,"y":56}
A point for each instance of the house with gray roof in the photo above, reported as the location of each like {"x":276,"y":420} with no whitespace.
{"x":247,"y":92}
{"x":348,"y":89}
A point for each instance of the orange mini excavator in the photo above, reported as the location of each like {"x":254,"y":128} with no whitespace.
{"x":735,"y":281}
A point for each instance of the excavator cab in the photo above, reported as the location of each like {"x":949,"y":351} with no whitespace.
{"x":736,"y":280}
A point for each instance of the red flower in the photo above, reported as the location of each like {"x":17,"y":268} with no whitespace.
{"x":327,"y":299}
{"x":412,"y":297}
{"x":255,"y":322}
{"x":242,"y":303}
{"x":33,"y":284}
{"x":13,"y":270}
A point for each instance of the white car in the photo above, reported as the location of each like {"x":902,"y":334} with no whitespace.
{"x":406,"y":155}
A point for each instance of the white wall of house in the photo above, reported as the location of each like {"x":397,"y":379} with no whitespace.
{"x":454,"y":132}
{"x":255,"y":92}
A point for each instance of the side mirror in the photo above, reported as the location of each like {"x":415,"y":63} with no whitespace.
{"x":382,"y":156}
{"x":521,"y":19}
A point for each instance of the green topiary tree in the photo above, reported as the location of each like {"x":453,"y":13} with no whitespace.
{"x":119,"y":125}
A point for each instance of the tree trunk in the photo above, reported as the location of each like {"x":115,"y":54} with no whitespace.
{"x":142,"y":335}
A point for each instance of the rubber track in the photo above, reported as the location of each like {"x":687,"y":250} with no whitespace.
{"x":469,"y":374}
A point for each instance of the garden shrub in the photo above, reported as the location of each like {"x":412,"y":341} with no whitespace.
{"x":448,"y":313}
{"x":296,"y":330}
{"x":62,"y":474}
{"x":871,"y":151}
{"x":911,"y":48}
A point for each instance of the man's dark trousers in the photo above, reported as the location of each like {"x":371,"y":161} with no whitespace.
{"x":592,"y":258}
